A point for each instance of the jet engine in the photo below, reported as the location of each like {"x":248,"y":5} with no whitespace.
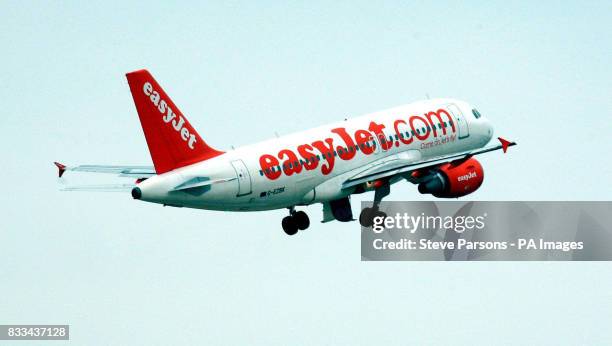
{"x":453,"y":179}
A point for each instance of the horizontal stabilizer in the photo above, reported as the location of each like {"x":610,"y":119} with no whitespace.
{"x":122,"y":171}
{"x":100,"y":188}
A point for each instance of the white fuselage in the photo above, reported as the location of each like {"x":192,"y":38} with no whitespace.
{"x":259,"y":177}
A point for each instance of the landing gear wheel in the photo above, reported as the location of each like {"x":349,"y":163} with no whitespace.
{"x":289,"y":225}
{"x":366,"y":218}
{"x":380,"y":214}
{"x":301,"y":220}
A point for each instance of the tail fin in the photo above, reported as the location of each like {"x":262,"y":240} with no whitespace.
{"x":172,"y":141}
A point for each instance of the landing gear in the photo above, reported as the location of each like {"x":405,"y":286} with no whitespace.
{"x":301,"y":219}
{"x":289,"y":225}
{"x":297,"y":220}
{"x":366,"y":218}
{"x":341,"y":209}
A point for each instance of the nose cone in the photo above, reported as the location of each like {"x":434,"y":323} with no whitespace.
{"x":485,"y":129}
{"x":489,"y":130}
{"x":136,"y":193}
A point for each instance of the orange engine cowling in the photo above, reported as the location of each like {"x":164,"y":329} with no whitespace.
{"x":452,"y":180}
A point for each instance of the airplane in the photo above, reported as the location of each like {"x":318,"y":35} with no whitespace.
{"x":431,"y":143}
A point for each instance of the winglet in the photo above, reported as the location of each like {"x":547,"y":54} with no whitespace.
{"x":505,"y":144}
{"x":61,"y":168}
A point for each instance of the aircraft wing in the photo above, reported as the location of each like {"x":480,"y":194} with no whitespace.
{"x":405,"y":167}
{"x":138,"y":172}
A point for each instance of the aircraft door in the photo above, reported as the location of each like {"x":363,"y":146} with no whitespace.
{"x":244,"y":178}
{"x":462,"y":124}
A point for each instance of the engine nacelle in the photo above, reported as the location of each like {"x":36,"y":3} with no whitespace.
{"x":453,"y":180}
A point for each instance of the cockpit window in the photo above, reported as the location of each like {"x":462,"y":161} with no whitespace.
{"x":476,"y":113}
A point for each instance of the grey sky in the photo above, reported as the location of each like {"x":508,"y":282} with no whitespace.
{"x":125,"y":272}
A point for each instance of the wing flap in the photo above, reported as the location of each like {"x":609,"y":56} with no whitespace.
{"x":389,"y":163}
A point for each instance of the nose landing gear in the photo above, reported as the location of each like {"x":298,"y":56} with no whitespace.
{"x":297,"y":220}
